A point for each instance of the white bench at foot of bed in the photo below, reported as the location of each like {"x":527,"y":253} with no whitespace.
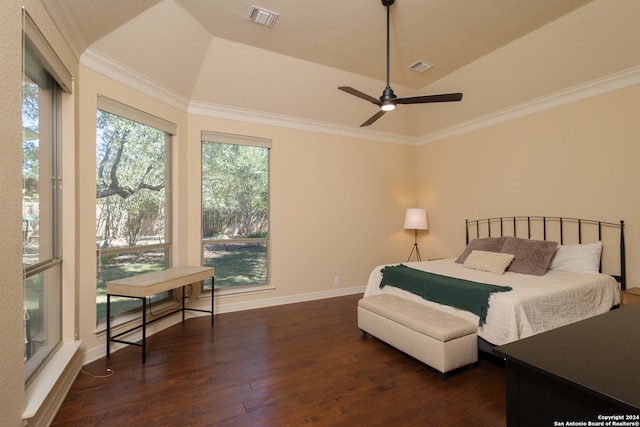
{"x":441,"y":340}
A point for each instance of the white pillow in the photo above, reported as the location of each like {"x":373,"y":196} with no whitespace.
{"x":583,"y":258}
{"x":493,"y":262}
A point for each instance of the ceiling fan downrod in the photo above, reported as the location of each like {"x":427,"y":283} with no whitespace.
{"x":387,"y":98}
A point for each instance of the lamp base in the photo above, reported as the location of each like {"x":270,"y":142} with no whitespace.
{"x":415,"y":247}
{"x":417,"y":251}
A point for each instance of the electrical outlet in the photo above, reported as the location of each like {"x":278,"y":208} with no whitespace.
{"x":336,"y":280}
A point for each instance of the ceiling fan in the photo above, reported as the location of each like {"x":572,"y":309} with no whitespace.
{"x":388,"y":100}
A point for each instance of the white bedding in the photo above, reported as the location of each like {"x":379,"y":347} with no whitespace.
{"x":536,"y":303}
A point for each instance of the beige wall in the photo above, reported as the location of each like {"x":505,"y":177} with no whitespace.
{"x":11,"y":355}
{"x":577,"y":160}
{"x":337,"y":203}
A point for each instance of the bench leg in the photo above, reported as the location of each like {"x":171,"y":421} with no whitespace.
{"x":445,"y":375}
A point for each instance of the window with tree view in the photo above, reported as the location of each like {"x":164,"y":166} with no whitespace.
{"x":235,"y":209}
{"x":41,"y":192}
{"x":132,"y":202}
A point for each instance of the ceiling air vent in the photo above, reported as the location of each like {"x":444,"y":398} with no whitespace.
{"x":420,"y":66}
{"x":262,"y":16}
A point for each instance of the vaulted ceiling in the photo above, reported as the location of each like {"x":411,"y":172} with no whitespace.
{"x":207,"y":52}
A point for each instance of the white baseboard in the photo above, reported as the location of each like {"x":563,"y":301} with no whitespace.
{"x":291,"y":299}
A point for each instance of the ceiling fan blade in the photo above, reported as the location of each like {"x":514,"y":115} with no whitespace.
{"x":444,"y":97}
{"x":373,"y":118}
{"x":360,"y":95}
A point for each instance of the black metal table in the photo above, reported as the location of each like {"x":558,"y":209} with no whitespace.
{"x":145,"y":285}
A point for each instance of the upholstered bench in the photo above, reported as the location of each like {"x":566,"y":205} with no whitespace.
{"x":439,"y":339}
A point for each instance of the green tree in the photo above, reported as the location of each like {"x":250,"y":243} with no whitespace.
{"x":30,"y":140}
{"x":236,"y":186}
{"x":130,"y":177}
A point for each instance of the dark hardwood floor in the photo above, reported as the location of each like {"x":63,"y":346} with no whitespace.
{"x":289,"y":365}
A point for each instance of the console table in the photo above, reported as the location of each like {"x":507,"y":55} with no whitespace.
{"x":145,"y":285}
{"x":583,"y":372}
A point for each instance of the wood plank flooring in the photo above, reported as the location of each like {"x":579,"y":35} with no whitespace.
{"x":290,"y":365}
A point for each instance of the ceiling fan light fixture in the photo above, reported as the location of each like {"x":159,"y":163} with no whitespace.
{"x":388,"y":106}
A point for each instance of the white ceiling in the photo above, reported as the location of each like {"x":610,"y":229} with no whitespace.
{"x":206,"y":51}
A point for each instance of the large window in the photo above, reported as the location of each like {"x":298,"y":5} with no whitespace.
{"x":133,"y":182}
{"x":41,"y":192}
{"x":235,"y":210}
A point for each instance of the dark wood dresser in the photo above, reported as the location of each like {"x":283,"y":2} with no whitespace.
{"x":588,"y":371}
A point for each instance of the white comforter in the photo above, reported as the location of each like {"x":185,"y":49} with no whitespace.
{"x":536,"y":303}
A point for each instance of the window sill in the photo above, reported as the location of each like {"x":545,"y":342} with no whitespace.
{"x":41,"y":388}
{"x":239,"y":290}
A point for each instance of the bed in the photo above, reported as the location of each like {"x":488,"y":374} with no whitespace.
{"x":583,"y":272}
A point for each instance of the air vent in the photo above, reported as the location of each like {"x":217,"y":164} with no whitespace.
{"x":262,"y":16}
{"x":420,"y":66}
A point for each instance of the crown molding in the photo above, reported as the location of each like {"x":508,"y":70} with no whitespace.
{"x":119,"y":72}
{"x":125,"y":75}
{"x":67,"y":26}
{"x":596,"y":87}
{"x":269,"y":119}
{"x":103,"y":64}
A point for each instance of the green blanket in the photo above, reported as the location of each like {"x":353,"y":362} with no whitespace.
{"x":460,"y":293}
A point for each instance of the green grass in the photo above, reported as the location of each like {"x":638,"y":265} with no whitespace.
{"x":237,"y":264}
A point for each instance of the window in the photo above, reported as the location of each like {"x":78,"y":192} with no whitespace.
{"x":235,"y":210}
{"x":41,"y":191}
{"x":133,"y":182}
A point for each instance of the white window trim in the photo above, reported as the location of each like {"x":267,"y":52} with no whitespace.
{"x":227,"y":138}
{"x":126,"y":111}
{"x":46,"y":55}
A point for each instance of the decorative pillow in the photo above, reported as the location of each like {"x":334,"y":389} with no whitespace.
{"x":583,"y":258}
{"x":530,"y":256}
{"x":489,"y":244}
{"x":493,"y":262}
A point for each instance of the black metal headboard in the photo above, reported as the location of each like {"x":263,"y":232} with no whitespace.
{"x":555,"y":228}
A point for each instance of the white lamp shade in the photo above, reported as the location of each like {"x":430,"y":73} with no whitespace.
{"x":416,"y":219}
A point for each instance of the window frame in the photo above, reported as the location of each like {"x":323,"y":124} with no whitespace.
{"x":251,"y":141}
{"x":42,"y":56}
{"x":116,"y":108}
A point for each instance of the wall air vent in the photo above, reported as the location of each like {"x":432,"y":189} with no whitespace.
{"x":420,"y":66}
{"x":262,"y":16}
